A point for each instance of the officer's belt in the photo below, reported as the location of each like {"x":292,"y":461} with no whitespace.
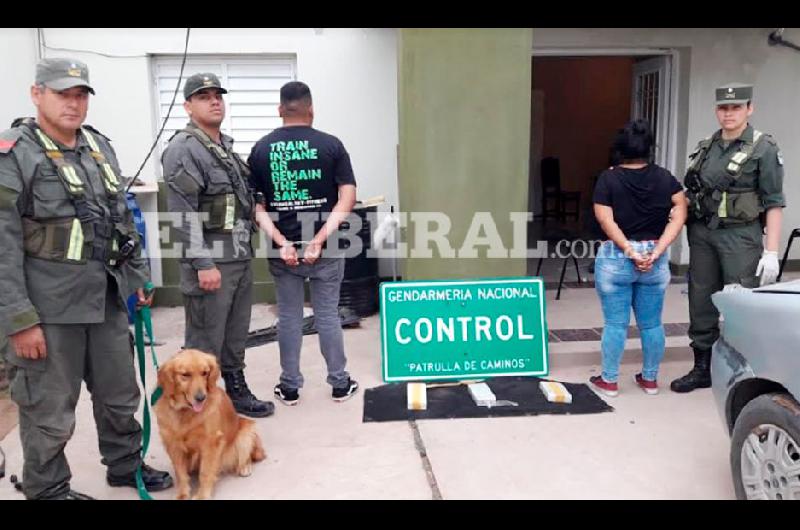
{"x":728,"y":224}
{"x":722,"y":223}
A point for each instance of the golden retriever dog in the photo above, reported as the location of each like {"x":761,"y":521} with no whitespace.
{"x":199,"y":426}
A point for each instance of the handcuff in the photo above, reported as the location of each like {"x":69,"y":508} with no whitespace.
{"x":299,"y":246}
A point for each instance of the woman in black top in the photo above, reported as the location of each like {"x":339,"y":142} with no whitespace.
{"x":641,"y":207}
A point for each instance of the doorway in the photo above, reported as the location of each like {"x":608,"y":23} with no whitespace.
{"x":578,"y":102}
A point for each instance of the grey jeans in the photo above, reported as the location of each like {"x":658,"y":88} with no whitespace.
{"x":325,"y":277}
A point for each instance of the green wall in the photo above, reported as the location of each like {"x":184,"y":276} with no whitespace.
{"x":464,"y":118}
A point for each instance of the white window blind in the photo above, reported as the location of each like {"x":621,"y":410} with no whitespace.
{"x":251,"y":104}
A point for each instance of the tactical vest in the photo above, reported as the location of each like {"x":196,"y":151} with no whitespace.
{"x":224,"y":209}
{"x":84,"y":236}
{"x":723,"y":204}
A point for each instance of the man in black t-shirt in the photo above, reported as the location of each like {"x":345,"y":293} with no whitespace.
{"x":306,"y":179}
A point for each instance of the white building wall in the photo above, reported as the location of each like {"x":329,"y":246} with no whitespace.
{"x":717,"y":56}
{"x":352,"y":74}
{"x":17,"y":71}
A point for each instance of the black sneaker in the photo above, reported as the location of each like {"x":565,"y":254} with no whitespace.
{"x":286,"y":395}
{"x":346,"y":392}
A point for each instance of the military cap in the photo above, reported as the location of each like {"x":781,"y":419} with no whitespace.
{"x":198,"y":82}
{"x":734,"y":93}
{"x":61,"y":74}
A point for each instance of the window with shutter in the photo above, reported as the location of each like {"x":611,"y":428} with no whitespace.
{"x":251,"y":104}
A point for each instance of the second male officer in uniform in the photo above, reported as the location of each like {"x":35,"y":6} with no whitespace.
{"x":208,"y":183}
{"x":735,"y":187}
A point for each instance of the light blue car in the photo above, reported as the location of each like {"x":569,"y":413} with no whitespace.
{"x":755,"y":373}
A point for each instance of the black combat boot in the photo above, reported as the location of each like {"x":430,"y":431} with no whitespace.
{"x":70,"y":495}
{"x":64,"y":493}
{"x":244,"y":401}
{"x":153,"y":479}
{"x":699,"y":377}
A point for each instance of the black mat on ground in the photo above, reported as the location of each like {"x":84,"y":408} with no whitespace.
{"x":263,"y":336}
{"x":388,"y":402}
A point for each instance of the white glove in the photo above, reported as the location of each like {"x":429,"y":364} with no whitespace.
{"x":733,"y":288}
{"x":768,"y":267}
{"x":386,"y":228}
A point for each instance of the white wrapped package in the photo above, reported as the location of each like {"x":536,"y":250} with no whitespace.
{"x":417,"y":396}
{"x":555,"y":392}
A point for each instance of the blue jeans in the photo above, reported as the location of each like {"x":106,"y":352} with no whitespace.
{"x":620,"y":286}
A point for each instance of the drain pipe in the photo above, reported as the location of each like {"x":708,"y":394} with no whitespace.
{"x":38,"y":39}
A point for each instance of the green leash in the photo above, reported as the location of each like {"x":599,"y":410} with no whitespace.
{"x":142,"y":322}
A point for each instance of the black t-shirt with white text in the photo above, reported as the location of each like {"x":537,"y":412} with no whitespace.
{"x":299,"y":170}
{"x":641,"y":199}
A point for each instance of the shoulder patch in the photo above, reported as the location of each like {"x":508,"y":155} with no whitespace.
{"x":7,"y":145}
{"x":8,"y":139}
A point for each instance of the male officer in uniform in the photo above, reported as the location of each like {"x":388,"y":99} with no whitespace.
{"x":208,"y":183}
{"x":735,"y":187}
{"x":70,"y":259}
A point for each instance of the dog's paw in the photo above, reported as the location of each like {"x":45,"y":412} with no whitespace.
{"x":245,"y":471}
{"x":201,"y":496}
{"x":182,"y":495}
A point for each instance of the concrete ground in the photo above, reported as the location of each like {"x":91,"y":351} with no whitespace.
{"x":667,"y":446}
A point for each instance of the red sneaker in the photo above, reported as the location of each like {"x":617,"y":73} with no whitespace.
{"x":610,"y":389}
{"x":649,"y":387}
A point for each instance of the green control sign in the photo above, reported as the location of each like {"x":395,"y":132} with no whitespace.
{"x":463,"y":329}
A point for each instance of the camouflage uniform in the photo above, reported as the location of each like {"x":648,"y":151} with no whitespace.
{"x":729,"y":185}
{"x":66,"y":267}
{"x":207,"y":182}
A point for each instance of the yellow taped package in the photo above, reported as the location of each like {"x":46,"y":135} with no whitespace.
{"x":555,"y":392}
{"x":417,"y":396}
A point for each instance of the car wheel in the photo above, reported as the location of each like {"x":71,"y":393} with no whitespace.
{"x":765,"y":449}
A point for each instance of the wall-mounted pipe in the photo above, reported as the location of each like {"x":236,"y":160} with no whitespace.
{"x":776,"y":39}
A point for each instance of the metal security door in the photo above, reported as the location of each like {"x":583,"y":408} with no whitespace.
{"x":651,"y":92}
